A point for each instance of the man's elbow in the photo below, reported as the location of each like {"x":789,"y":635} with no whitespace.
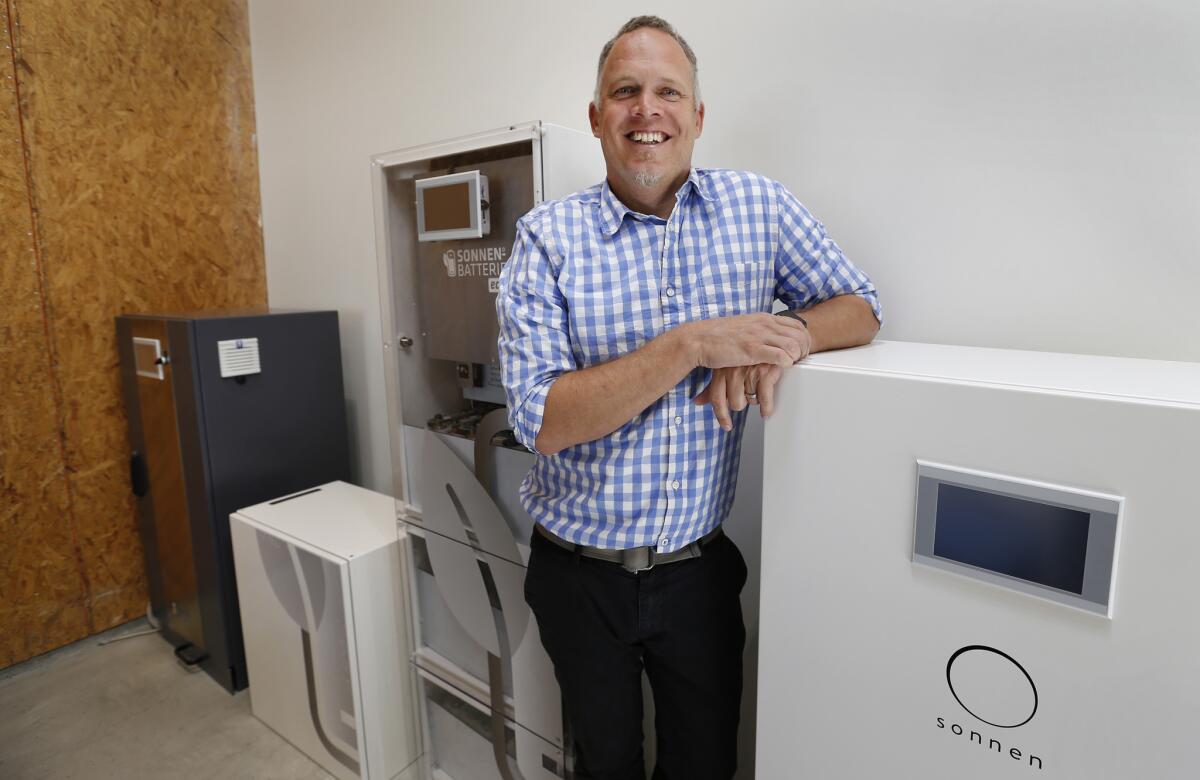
{"x":547,"y":443}
{"x":869,"y":320}
{"x":550,"y":436}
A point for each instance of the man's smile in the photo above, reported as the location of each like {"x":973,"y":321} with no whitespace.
{"x":647,"y":137}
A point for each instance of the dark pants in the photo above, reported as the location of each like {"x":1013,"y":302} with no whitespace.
{"x":681,"y":622}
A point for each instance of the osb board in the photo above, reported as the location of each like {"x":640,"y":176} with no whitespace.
{"x":42,"y":594}
{"x":139,"y":129}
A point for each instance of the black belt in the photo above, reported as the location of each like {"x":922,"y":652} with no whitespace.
{"x":634,"y":559}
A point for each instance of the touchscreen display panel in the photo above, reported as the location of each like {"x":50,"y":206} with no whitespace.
{"x":448,"y":207}
{"x":1016,"y":537}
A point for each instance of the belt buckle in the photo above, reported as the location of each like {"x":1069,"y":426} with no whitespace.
{"x":637,"y":559}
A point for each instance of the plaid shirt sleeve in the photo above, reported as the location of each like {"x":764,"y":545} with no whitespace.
{"x":534,"y":342}
{"x":810,"y":267}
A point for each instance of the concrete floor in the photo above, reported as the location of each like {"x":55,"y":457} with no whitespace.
{"x":130,"y":710}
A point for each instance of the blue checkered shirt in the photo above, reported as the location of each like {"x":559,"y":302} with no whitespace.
{"x":588,"y":281}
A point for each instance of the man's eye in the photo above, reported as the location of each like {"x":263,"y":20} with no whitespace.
{"x":624,"y":91}
{"x":667,"y":92}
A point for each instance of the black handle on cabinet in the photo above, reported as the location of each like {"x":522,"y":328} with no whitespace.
{"x":139,"y":476}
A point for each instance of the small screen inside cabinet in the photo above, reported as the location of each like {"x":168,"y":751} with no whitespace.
{"x":448,"y":207}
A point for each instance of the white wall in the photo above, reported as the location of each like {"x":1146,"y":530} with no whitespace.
{"x":1015,"y":173}
{"x":1012,"y":173}
{"x":317,"y":72}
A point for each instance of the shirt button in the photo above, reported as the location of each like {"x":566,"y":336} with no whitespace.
{"x":663,"y":542}
{"x":675,"y":485}
{"x":670,"y":292}
{"x":678,"y":420}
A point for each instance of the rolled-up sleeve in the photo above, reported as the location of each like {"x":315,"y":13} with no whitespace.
{"x":534,"y":342}
{"x":811,"y":267}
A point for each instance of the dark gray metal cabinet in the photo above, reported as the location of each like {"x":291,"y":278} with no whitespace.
{"x":205,"y":444}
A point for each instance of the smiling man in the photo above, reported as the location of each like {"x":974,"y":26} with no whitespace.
{"x":635,"y":330}
{"x":648,"y":150}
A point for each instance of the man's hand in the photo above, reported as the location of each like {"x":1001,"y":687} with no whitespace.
{"x":747,"y":354}
{"x":747,"y":340}
{"x":736,"y":387}
{"x":840,"y":322}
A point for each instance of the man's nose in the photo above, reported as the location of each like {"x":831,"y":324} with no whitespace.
{"x":647,"y":104}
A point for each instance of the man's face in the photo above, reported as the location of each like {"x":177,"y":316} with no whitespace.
{"x":647,"y":120}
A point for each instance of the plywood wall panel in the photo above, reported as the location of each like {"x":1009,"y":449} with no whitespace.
{"x":110,"y":551}
{"x":43,"y":602}
{"x":42,"y":595}
{"x":142,"y":190}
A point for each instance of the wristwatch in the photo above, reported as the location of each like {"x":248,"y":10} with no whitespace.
{"x":794,"y":315}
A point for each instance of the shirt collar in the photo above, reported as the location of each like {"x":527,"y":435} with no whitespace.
{"x":613,"y":211}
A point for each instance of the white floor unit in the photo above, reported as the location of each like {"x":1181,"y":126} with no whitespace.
{"x":320,"y":586}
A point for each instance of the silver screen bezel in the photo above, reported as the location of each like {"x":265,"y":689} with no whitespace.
{"x":1100,"y":563}
{"x":472,"y":178}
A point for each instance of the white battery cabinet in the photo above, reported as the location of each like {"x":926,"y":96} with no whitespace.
{"x":445,"y":223}
{"x":980,"y":563}
{"x":321,"y":589}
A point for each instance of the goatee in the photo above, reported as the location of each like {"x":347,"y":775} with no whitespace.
{"x":646,"y":178}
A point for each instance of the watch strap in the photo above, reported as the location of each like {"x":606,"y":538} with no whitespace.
{"x":795,"y":315}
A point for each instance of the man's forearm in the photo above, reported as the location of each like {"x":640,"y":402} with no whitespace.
{"x":595,"y":401}
{"x":840,"y":322}
{"x":592,"y":402}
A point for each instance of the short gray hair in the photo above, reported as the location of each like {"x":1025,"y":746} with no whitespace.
{"x":653,"y":23}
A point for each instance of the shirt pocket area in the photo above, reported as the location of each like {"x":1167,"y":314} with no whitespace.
{"x":610,"y":316}
{"x":736,"y":287}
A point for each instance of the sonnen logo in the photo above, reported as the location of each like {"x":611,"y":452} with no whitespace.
{"x":995,"y":689}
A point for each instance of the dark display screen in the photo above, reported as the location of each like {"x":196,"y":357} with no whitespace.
{"x":1025,"y":539}
{"x":448,"y":207}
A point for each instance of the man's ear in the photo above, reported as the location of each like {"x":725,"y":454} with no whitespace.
{"x":700,"y":119}
{"x":594,"y":119}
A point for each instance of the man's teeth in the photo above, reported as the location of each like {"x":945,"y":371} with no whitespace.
{"x":648,"y":138}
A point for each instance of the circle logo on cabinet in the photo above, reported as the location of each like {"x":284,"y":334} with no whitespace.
{"x":992,"y":686}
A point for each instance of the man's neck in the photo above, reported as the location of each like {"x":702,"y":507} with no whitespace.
{"x":659,"y":201}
